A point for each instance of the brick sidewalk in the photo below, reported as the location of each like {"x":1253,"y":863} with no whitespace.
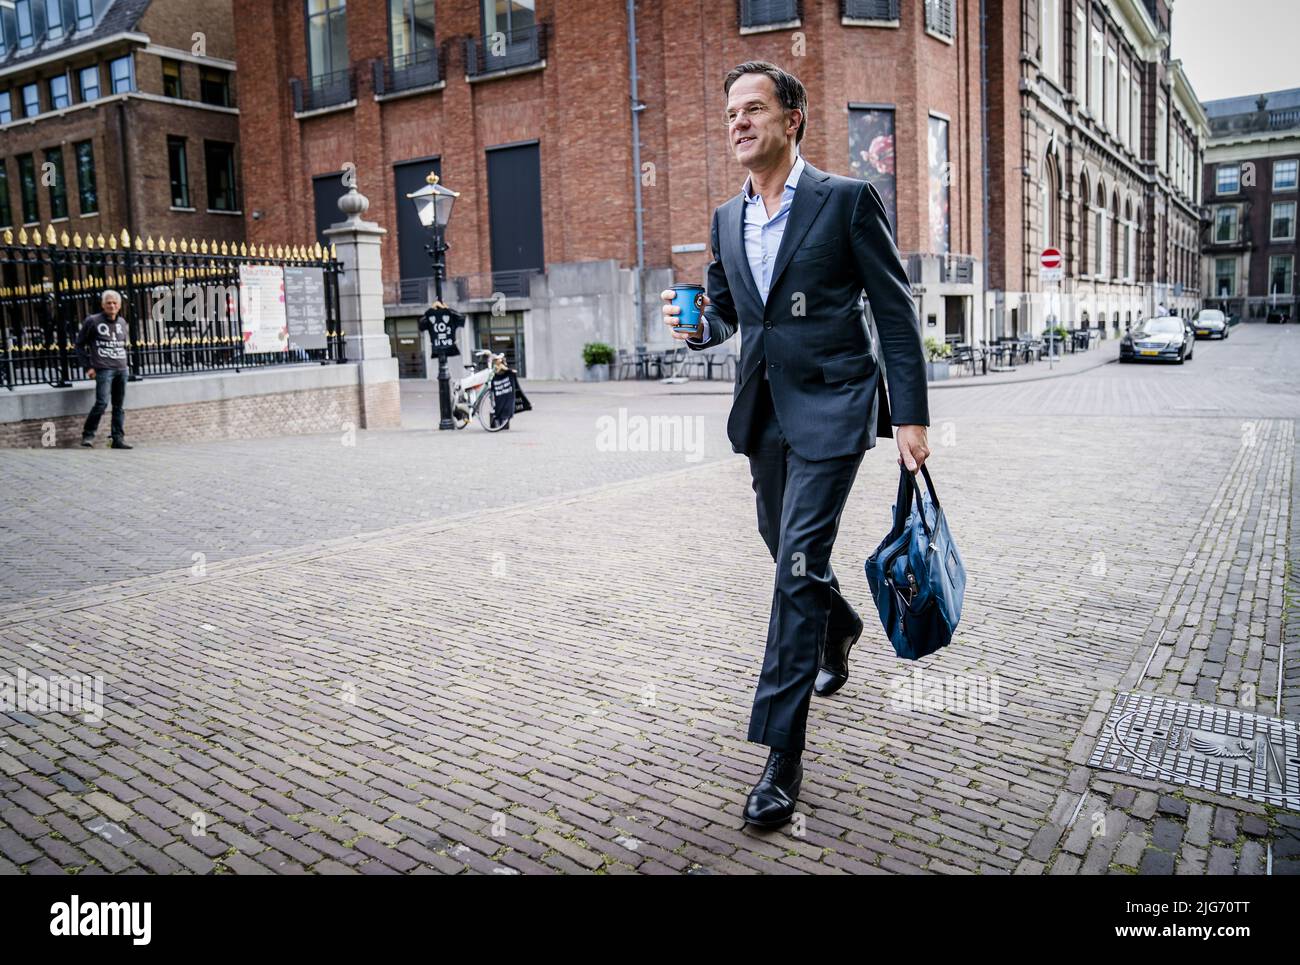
{"x":539,"y":688}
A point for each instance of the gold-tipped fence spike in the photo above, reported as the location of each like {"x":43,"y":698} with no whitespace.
{"x":261,"y":251}
{"x":63,"y":239}
{"x":224,"y":251}
{"x":125,"y":239}
{"x":316,"y":251}
{"x":112,"y":242}
{"x":334,"y":252}
{"x":139,"y":244}
{"x":185,"y":247}
{"x":99,"y":241}
{"x":50,"y":237}
{"x":243,"y":250}
{"x":76,"y":239}
{"x":22,"y":236}
{"x":203,"y":247}
{"x":171,"y":246}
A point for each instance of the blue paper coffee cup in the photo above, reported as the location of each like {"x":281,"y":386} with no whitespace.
{"x":690,"y":298}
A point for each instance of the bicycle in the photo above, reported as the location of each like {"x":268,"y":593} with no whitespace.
{"x":472,"y":395}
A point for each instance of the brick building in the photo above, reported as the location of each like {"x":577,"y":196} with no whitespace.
{"x":1250,"y":185}
{"x":119,"y":114}
{"x":1096,"y":140}
{"x":531,"y":115}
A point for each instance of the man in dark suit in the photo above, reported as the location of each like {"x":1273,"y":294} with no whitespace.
{"x":792,"y":254}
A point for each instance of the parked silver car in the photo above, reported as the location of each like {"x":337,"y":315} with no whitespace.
{"x":1210,"y":323}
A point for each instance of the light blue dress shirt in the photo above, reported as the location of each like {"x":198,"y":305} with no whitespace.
{"x":763,"y":235}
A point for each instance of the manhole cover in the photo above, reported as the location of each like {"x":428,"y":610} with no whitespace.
{"x":1214,"y":748}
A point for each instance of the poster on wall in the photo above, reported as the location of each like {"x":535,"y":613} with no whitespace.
{"x":261,"y":308}
{"x":940,"y":180}
{"x":871,"y":155}
{"x":304,"y":307}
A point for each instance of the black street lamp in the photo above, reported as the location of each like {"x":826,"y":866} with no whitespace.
{"x":433,"y":206}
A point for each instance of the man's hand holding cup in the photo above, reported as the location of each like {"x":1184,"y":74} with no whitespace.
{"x":674,"y":302}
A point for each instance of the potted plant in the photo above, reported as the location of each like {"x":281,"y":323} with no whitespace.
{"x":597,"y":357}
{"x":936,"y":354}
{"x":1054,"y":338}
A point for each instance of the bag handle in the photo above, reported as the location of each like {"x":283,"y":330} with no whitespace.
{"x":909,"y":490}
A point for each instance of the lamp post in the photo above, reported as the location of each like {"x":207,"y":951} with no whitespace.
{"x":433,"y":206}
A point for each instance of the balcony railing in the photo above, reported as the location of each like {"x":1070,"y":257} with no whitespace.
{"x":511,"y":284}
{"x":423,"y":68}
{"x":481,"y":286}
{"x":323,"y":90}
{"x":504,"y":50}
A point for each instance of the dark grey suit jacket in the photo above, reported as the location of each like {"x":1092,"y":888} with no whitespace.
{"x":826,"y":383}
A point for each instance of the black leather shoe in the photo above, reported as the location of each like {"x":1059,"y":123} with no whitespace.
{"x":88,"y":443}
{"x":833,"y":673}
{"x":119,"y":444}
{"x":771,"y":802}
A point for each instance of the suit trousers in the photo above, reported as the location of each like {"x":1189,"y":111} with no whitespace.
{"x":799,"y":503}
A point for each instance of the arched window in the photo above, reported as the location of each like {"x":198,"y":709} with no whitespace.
{"x":1049,"y":194}
{"x":1116,"y":266}
{"x":1122,"y":268}
{"x":1138,"y":235}
{"x":1085,"y":202}
{"x":1099,"y":224}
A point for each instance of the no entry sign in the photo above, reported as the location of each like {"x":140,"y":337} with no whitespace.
{"x":1049,"y":265}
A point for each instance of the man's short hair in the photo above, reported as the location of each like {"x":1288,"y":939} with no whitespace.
{"x":789,"y":89}
{"x":109,"y":291}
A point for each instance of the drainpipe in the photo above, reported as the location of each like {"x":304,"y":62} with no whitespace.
{"x":636,"y":107}
{"x":984,"y":167}
{"x":127,"y":176}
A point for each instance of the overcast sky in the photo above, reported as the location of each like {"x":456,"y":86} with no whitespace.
{"x":1234,"y":47}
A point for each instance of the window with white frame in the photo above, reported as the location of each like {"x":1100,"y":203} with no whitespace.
{"x":1123,"y":105}
{"x":1283,"y":221}
{"x":1225,"y":223}
{"x":1049,"y":37}
{"x":1227,"y":179}
{"x":1135,"y":118}
{"x":1095,"y":74}
{"x":1281,"y":274}
{"x":1080,"y":48}
{"x":1112,"y":87}
{"x":1162,"y":134}
{"x":1284,"y":174}
{"x":1225,"y":277}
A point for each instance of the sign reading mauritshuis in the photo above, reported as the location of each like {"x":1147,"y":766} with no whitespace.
{"x":304,"y":307}
{"x":261,"y":308}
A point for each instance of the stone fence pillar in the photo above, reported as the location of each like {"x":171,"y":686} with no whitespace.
{"x":361,"y":312}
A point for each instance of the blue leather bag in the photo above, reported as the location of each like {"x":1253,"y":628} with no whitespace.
{"x":916,"y":574}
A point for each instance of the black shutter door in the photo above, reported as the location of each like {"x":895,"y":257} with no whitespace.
{"x":515,"y":208}
{"x":327,"y":189}
{"x":408,"y":177}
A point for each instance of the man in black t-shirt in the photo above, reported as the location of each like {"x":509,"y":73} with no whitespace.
{"x":101,"y":345}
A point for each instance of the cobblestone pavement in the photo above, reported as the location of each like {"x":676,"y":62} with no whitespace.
{"x":561,"y":683}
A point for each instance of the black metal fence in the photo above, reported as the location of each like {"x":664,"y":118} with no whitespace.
{"x":182,"y":301}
